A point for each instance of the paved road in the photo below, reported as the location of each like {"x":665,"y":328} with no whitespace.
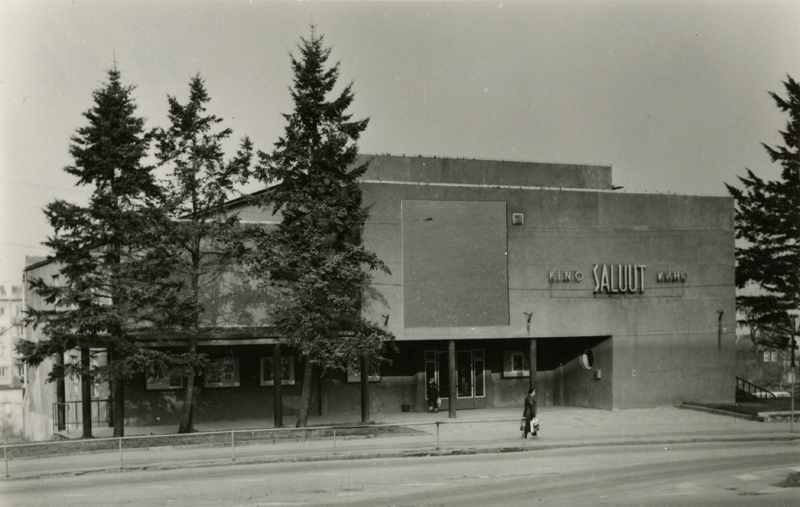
{"x":728,"y":474}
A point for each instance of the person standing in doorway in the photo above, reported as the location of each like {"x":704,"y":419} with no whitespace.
{"x":433,"y":396}
{"x":530,"y":412}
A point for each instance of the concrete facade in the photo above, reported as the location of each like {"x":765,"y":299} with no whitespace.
{"x":629,"y":299}
{"x":665,"y":343}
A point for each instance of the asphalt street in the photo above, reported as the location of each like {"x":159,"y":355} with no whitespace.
{"x":729,"y":474}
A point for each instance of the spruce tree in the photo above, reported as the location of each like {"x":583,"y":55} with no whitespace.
{"x":768,"y":227}
{"x":314,"y":259}
{"x":104,"y":282}
{"x":200,"y":242}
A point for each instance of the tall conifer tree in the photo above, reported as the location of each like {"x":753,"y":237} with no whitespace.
{"x":314,"y":258}
{"x":768,"y":223}
{"x":200,"y":241}
{"x":104,"y":283}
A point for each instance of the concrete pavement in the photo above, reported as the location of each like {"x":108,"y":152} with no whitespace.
{"x":473,"y":431}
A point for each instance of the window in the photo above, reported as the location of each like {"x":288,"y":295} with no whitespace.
{"x":223,"y":372}
{"x":515,"y":364}
{"x":766,"y":356}
{"x":774,"y":357}
{"x":166,"y":380}
{"x":287,"y":371}
{"x":354,"y":373}
{"x":3,"y":371}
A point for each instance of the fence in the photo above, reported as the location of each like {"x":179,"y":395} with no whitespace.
{"x":232,"y":445}
{"x":70,"y":413}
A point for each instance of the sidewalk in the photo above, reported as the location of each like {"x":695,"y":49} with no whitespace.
{"x":474,"y":431}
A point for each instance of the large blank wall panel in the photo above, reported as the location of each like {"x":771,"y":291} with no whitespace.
{"x":455,"y":268}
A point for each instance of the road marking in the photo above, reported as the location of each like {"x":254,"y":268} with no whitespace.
{"x":283,"y":503}
{"x":424,"y":484}
{"x":687,"y":488}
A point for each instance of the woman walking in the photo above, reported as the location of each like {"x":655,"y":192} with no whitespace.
{"x":530,"y":412}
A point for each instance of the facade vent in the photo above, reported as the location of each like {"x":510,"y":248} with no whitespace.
{"x":517,"y":219}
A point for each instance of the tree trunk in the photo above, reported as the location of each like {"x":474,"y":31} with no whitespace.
{"x":277,"y":377}
{"x":86,"y":392}
{"x":187,"y":421}
{"x":61,"y":395}
{"x":364,"y":389}
{"x":305,"y":397}
{"x":119,"y":405}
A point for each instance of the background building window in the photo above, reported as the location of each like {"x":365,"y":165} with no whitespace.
{"x":223,"y":372}
{"x":287,"y":371}
{"x":354,"y":372}
{"x":166,"y":380}
{"x":515,"y":364}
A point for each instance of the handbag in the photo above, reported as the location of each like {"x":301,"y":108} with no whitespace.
{"x":535,"y":425}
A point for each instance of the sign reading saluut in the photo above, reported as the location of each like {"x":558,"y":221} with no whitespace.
{"x":618,"y":278}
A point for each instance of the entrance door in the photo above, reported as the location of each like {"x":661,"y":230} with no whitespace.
{"x":466,"y":397}
{"x":470,"y":378}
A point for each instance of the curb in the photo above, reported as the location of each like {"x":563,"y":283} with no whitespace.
{"x":425,"y":454}
{"x":717,"y":411}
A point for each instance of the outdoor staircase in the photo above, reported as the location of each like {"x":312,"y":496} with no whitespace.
{"x":748,"y":390}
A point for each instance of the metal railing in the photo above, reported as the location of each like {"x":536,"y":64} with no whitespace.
{"x":752,"y":389}
{"x":70,"y":414}
{"x":328,"y":441}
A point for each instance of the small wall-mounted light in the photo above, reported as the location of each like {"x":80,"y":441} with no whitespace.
{"x":385,"y":320}
{"x":529,"y":316}
{"x":598,"y":374}
{"x":587,"y":359}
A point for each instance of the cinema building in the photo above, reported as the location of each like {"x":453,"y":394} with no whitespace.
{"x":502,"y":274}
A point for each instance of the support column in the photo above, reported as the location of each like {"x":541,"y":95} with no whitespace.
{"x":451,"y":364}
{"x":532,"y":362}
{"x":277,"y":377}
{"x":364,"y":389}
{"x":86,"y":392}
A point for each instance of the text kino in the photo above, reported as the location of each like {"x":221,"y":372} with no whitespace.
{"x":618,"y":278}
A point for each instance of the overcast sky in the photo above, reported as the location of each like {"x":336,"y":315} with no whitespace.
{"x":673,"y":95}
